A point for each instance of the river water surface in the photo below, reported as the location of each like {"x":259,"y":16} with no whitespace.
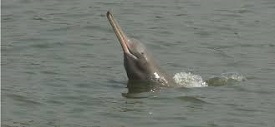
{"x":62,"y":65}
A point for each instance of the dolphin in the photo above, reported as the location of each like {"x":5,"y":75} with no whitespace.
{"x":142,"y":70}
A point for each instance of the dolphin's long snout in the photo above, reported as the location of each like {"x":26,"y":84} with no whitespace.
{"x":121,"y":36}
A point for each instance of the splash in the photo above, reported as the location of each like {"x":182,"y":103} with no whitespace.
{"x":233,"y":76}
{"x":189,"y":80}
{"x":228,"y":78}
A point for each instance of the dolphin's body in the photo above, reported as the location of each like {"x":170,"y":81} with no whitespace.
{"x":142,"y":70}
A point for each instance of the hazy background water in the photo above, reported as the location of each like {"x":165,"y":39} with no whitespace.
{"x":62,"y":64}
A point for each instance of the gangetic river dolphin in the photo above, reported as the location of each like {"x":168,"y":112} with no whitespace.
{"x":142,"y":70}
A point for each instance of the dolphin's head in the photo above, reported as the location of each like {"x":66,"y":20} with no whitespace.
{"x":138,"y":62}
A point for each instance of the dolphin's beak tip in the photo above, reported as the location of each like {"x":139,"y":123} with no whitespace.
{"x":108,"y":13}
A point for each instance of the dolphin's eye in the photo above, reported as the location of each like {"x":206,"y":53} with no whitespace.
{"x":142,"y":53}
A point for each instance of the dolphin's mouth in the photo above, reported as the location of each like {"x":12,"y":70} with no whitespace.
{"x":121,"y":36}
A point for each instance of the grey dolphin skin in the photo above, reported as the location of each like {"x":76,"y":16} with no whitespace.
{"x":142,"y":70}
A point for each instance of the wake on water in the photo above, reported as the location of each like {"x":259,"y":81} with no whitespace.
{"x":189,"y":80}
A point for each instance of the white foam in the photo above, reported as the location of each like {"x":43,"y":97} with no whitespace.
{"x":189,"y":80}
{"x":234,"y":76}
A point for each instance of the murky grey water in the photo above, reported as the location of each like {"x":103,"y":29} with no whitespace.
{"x":62,"y":64}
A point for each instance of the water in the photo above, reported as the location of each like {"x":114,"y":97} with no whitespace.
{"x":62,"y":64}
